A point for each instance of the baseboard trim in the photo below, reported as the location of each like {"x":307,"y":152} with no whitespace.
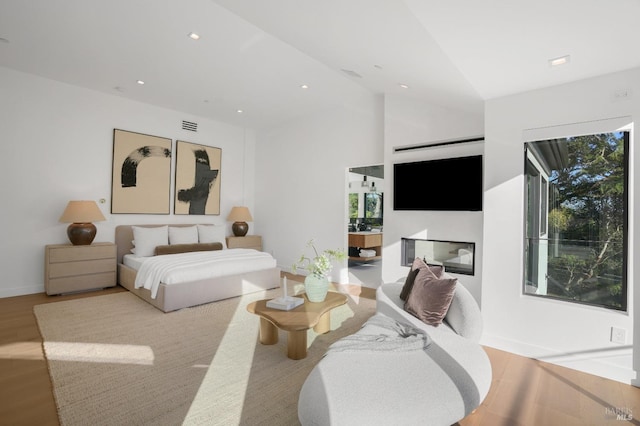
{"x":583,"y":361}
{"x":21,"y":291}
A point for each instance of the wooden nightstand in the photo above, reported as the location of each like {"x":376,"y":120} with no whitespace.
{"x":248,"y":241}
{"x":69,"y":268}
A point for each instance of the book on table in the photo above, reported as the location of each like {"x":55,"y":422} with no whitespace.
{"x":285,"y":302}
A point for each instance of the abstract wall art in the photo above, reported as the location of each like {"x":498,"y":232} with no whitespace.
{"x":141,"y":175}
{"x":197,"y":179}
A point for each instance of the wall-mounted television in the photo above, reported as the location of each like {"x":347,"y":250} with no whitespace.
{"x":449,"y":184}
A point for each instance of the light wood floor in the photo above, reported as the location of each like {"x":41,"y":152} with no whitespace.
{"x":524,"y":391}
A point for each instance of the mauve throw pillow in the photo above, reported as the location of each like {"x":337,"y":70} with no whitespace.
{"x":437,"y":270}
{"x":408,"y":283}
{"x":430,"y":299}
{"x":419,"y":267}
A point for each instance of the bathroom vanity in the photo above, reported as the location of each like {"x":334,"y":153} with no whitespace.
{"x":367,"y":240}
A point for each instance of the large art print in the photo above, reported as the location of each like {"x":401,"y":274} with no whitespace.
{"x":141,"y":175}
{"x":197,"y":179}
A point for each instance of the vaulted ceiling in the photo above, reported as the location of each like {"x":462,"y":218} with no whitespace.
{"x":256,"y":55}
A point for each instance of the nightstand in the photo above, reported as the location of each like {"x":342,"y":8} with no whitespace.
{"x":248,"y":241}
{"x":69,"y":268}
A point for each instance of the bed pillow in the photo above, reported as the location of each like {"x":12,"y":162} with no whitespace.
{"x":212,"y":234}
{"x":183,"y":234}
{"x":147,"y":239}
{"x":430,"y":299}
{"x":419,"y":267}
{"x":187,"y":248}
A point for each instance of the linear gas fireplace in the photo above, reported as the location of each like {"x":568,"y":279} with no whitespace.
{"x":456,"y":256}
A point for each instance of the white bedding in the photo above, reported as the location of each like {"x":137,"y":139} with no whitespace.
{"x":184,"y":267}
{"x":133,"y":261}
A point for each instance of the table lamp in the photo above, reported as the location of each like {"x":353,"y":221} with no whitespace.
{"x":80,"y":214}
{"x":240,"y":215}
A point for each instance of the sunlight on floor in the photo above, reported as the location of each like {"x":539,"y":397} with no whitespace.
{"x":366,"y":274}
{"x":99,"y":353}
{"x":22,"y":350}
{"x":231,"y":364}
{"x":338,"y":316}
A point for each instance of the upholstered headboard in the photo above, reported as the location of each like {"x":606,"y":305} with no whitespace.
{"x":124,"y":236}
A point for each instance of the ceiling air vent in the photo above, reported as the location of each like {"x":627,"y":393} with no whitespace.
{"x":351,"y":73}
{"x":190,"y":126}
{"x":474,"y":139}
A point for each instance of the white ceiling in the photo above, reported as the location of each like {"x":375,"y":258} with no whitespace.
{"x":255,"y":54}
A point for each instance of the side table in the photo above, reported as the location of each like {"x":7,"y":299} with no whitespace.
{"x":69,"y":268}
{"x":248,"y":241}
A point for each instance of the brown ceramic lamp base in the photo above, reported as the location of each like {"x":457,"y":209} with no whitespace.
{"x":81,"y":234}
{"x":240,"y":229}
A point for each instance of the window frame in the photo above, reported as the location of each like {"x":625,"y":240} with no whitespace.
{"x":625,"y":221}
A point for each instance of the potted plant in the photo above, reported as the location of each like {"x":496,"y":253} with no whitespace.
{"x":319,"y":265}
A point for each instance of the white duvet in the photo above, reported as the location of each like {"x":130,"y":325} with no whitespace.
{"x":184,"y":267}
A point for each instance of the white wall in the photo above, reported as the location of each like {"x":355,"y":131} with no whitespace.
{"x":301,"y":185}
{"x":568,"y":334}
{"x":57,"y":143}
{"x":411,"y":122}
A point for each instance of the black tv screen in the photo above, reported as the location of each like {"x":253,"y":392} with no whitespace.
{"x":450,"y":184}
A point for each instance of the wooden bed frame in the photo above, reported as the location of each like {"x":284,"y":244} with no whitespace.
{"x":178,"y":296}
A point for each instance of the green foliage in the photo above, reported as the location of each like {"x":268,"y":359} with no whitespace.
{"x":353,"y":205}
{"x":559,"y":219}
{"x":319,"y":264}
{"x":372,"y":205}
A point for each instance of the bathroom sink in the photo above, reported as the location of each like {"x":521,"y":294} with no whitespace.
{"x":373,"y":231}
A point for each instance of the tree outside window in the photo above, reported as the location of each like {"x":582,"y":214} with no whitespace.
{"x":353,"y":205}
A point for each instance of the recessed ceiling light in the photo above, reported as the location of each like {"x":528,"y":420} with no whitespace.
{"x":304,"y":86}
{"x":404,"y":86}
{"x":559,"y":61}
{"x":140,"y":82}
{"x":194,"y":36}
{"x":239,"y":111}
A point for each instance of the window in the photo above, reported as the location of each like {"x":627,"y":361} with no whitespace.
{"x":576,"y":219}
{"x":373,"y":205}
{"x":353,"y":205}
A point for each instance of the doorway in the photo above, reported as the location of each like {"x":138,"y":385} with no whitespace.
{"x":365,"y":224}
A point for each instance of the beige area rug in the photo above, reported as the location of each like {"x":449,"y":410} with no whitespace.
{"x":116,"y":360}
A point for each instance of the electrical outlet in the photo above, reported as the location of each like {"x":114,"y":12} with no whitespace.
{"x":618,"y":335}
{"x":621,"y":95}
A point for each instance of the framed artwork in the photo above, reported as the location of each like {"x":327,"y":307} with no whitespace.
{"x":197,"y":179}
{"x":141,"y":175}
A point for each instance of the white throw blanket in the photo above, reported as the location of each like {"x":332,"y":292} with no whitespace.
{"x":185,"y":267}
{"x":395,"y":337}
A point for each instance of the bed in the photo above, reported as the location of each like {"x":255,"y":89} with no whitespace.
{"x":259,"y":271}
